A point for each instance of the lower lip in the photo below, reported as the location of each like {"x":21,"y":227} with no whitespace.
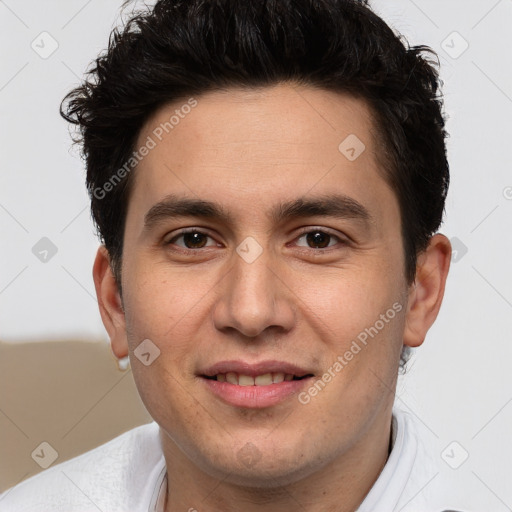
{"x":255,"y":397}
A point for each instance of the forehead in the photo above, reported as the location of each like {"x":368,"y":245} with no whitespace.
{"x":266,"y":118}
{"x":254,"y":145}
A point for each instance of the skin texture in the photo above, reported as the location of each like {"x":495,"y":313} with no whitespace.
{"x":249,"y":150}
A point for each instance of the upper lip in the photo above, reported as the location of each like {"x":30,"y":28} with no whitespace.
{"x":254,"y":369}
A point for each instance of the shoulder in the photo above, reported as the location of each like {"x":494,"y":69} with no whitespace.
{"x":113,"y":477}
{"x":433,"y":485}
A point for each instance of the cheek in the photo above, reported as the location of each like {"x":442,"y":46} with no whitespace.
{"x":161,"y":303}
{"x":362,"y":317}
{"x":351,"y":300}
{"x":157,"y":309}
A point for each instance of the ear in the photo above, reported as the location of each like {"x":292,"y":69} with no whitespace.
{"x":427,"y":291}
{"x":109,"y":301}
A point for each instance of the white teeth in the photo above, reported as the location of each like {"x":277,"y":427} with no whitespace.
{"x":263,"y":380}
{"x":232,"y":378}
{"x":245,"y":380}
{"x":260,"y":380}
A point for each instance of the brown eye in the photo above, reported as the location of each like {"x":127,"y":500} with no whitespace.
{"x":191,"y":240}
{"x":194,"y":240}
{"x":317,"y":239}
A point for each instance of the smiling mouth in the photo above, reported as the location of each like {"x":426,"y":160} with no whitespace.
{"x":265,"y":379}
{"x":257,"y":385}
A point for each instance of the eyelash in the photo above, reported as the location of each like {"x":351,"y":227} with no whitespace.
{"x":304,"y":231}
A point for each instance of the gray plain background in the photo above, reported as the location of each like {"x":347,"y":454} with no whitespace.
{"x":459,"y":383}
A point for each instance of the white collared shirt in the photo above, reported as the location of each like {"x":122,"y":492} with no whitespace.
{"x":129,"y":474}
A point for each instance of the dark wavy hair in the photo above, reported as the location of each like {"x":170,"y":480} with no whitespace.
{"x":183,"y":48}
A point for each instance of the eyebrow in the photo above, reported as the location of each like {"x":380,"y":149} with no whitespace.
{"x":333,"y":205}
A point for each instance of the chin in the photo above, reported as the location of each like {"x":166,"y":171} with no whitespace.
{"x":256,"y":468}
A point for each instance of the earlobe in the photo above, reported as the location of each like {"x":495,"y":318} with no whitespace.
{"x":109,"y":302}
{"x":427,"y":291}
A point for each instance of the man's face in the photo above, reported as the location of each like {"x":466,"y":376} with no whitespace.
{"x":265,"y":289}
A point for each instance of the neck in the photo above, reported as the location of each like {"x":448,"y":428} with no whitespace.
{"x":341,"y":485}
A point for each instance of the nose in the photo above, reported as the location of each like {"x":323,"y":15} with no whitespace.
{"x":254,"y":297}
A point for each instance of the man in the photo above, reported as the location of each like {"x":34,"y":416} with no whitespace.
{"x":268,"y":179}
